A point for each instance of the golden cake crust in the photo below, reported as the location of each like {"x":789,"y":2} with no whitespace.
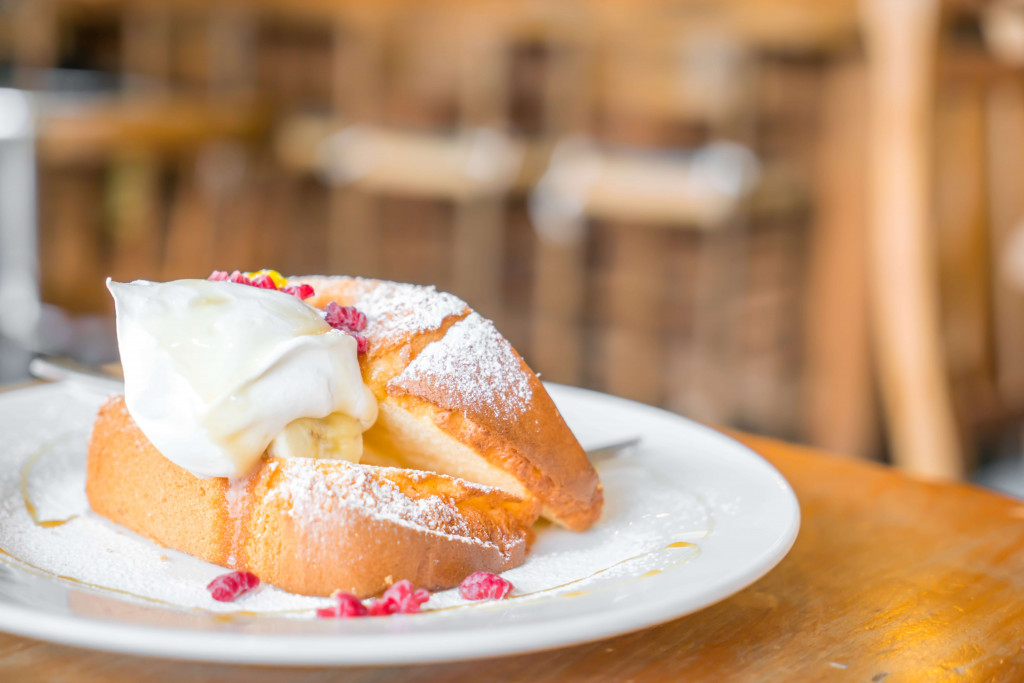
{"x":433,"y":358}
{"x":308,"y":526}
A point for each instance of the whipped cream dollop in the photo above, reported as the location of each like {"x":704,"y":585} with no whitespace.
{"x":214,"y":371}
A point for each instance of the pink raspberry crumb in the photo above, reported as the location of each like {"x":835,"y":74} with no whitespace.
{"x":348,"y":319}
{"x":382,"y":608}
{"x":347,"y":605}
{"x":483,"y":585}
{"x":345,"y":318}
{"x":302,"y":291}
{"x":401,"y":598}
{"x":263,"y":282}
{"x":240,"y":278}
{"x":229,"y":587}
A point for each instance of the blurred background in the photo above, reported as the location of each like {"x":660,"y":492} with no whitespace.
{"x":793,"y":217}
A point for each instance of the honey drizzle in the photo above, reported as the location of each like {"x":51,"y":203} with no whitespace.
{"x":30,"y":507}
{"x":218,"y":616}
{"x":572,"y":594}
{"x":677,"y":544}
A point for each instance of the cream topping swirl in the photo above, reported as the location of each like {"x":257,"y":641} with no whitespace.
{"x":214,"y":371}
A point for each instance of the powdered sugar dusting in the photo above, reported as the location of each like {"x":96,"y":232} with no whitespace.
{"x":317,"y":492}
{"x":472,"y":365}
{"x":395,"y":309}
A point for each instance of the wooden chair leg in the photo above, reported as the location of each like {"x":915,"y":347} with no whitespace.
{"x":962,"y":223}
{"x":631,"y":353}
{"x":72,"y":254}
{"x":354,"y":239}
{"x":719,"y":279}
{"x":477,"y":253}
{"x":134,"y":206}
{"x":839,"y":398}
{"x":191,"y":247}
{"x":1006,"y":209}
{"x":901,"y":42}
{"x":556,"y":341}
{"x":479,"y":229}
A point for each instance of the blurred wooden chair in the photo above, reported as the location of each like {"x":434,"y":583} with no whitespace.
{"x":1001,"y":107}
{"x":109,"y":162}
{"x":611,"y":289}
{"x":699,"y":190}
{"x":981,"y":115}
{"x":109,"y":155}
{"x":473,"y":169}
{"x":945,"y":143}
{"x":440,"y":132}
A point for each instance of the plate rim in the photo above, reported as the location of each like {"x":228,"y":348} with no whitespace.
{"x":228,"y":647}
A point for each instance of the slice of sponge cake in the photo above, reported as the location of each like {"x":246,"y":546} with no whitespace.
{"x":457,"y":399}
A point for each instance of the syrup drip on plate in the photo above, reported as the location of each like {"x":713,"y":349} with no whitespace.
{"x":8,"y":558}
{"x":26,"y":471}
{"x":572,"y":594}
{"x":33,"y":513}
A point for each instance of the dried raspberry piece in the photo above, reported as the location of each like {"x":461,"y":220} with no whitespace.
{"x":382,"y":608}
{"x":240,"y":278}
{"x":345,"y":318}
{"x":409,"y":597}
{"x":271,"y":279}
{"x":278,"y":279}
{"x":483,"y":585}
{"x":348,"y":606}
{"x":263,"y":282}
{"x":302,"y":291}
{"x":230,"y":586}
{"x":401,"y":598}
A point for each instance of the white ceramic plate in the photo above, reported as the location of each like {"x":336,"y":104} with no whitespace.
{"x":691,"y":517}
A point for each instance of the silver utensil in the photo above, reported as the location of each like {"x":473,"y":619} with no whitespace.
{"x":611,"y":450}
{"x":57,"y":368}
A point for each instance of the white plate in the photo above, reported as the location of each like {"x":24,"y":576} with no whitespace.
{"x":691,"y":517}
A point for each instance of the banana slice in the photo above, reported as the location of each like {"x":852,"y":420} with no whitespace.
{"x":335,"y":437}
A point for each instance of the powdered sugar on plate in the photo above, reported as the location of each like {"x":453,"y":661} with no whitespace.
{"x":649,"y":524}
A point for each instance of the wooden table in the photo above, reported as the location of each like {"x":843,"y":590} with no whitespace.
{"x":891,"y":579}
